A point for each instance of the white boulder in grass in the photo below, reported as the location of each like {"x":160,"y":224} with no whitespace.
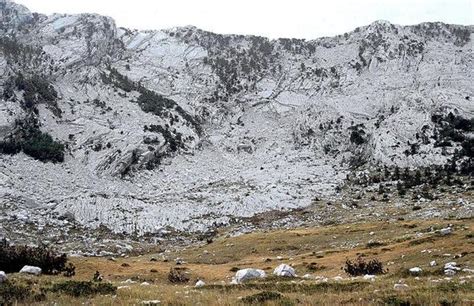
{"x":369,"y":277}
{"x":151,"y":302}
{"x":199,"y":284}
{"x":449,"y":272}
{"x":452,"y":266}
{"x":445,"y":231}
{"x":400,"y":287}
{"x":31,"y":270}
{"x":285,"y":271}
{"x":248,"y":274}
{"x":3,"y":277}
{"x":415,"y":270}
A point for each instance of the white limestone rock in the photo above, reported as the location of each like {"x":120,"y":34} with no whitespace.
{"x":285,"y":271}
{"x":31,"y":270}
{"x":244,"y":275}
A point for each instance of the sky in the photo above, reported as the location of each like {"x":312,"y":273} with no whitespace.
{"x":271,"y":18}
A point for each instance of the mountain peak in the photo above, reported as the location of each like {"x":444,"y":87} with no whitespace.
{"x":13,"y":15}
{"x":381,"y":22}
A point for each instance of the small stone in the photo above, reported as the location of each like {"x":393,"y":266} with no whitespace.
{"x":415,"y":270}
{"x":151,"y":302}
{"x":199,"y":284}
{"x":129,"y":281}
{"x":369,"y":277}
{"x":401,"y":287}
{"x":449,"y":272}
{"x":123,"y":287}
{"x":445,"y":231}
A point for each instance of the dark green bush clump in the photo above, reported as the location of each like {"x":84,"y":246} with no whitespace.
{"x":83,"y":288}
{"x":36,"y":90}
{"x":33,"y":142}
{"x":177,"y":275}
{"x":361,"y":267}
{"x":41,"y":146}
{"x":262,"y":297}
{"x":13,"y":258}
{"x":358,"y":135}
{"x":395,"y":301}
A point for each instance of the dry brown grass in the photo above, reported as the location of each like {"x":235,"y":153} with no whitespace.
{"x":325,"y":248}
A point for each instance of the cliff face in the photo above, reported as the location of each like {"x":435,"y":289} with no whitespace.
{"x":189,"y":129}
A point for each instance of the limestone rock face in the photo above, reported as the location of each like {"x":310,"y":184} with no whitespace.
{"x":189,"y":129}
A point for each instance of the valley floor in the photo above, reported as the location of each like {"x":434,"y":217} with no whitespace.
{"x":317,"y":253}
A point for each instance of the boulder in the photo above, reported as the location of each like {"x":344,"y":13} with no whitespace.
{"x":31,"y":270}
{"x":248,"y":274}
{"x":3,"y":277}
{"x":415,"y":270}
{"x":284,"y":270}
{"x":199,"y":284}
{"x":151,"y":302}
{"x":452,"y":266}
{"x":445,"y":231}
{"x":449,"y":272}
{"x":369,"y":277}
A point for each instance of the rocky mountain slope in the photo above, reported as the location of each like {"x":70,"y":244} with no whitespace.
{"x":138,"y":131}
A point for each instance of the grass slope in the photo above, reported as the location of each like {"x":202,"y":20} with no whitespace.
{"x":319,"y":251}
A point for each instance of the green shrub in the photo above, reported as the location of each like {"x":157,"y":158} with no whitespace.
{"x":176,"y":276}
{"x":83,"y":288}
{"x":361,"y":267}
{"x":10,"y":147}
{"x":262,"y":297}
{"x":13,"y":258}
{"x":395,"y":301}
{"x":41,"y":146}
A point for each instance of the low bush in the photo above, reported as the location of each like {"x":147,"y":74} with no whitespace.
{"x":83,"y":288}
{"x":42,"y":147}
{"x":395,"y":301}
{"x":69,"y":270}
{"x":13,"y":258}
{"x":262,"y":297}
{"x":176,"y":276}
{"x":39,"y":145}
{"x":361,"y":267}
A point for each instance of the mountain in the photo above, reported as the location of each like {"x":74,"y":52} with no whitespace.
{"x":133,"y":132}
